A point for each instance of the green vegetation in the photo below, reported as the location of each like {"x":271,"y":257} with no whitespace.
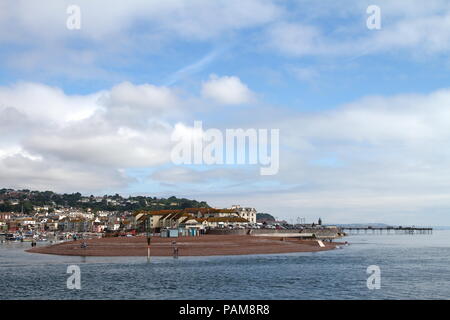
{"x":27,"y":201}
{"x":264,"y":216}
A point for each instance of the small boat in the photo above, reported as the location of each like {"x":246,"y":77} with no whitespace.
{"x":27,"y":238}
{"x":12,"y":237}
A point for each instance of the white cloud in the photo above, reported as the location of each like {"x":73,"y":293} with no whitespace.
{"x":148,"y":97}
{"x":128,"y":126}
{"x":135,"y":104}
{"x":196,"y":19}
{"x":430,"y":34}
{"x":306,"y":74}
{"x":407,"y":118}
{"x":390,"y":152}
{"x":44,"y":103}
{"x":113,"y":147}
{"x":17,"y":171}
{"x":411,"y":27}
{"x":228,"y":90}
{"x":295,"y":39}
{"x":384,"y":156}
{"x":217,"y":177}
{"x":112,"y":34}
{"x":382,"y":159}
{"x":58,"y":134}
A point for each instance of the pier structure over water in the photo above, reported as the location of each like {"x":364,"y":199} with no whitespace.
{"x":387,"y":230}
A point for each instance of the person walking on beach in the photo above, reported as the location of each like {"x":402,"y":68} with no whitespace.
{"x":175,"y":250}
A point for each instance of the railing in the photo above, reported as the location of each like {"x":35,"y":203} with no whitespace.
{"x":388,"y":230}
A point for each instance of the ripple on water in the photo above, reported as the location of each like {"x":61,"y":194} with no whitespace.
{"x":412,"y":267}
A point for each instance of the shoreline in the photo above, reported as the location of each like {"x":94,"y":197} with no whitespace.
{"x":205,"y":245}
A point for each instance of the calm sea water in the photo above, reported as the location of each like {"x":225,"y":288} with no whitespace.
{"x":412,"y":267}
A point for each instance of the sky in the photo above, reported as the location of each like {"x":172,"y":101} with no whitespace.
{"x":363,"y":114}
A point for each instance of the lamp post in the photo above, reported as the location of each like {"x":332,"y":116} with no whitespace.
{"x":148,"y":225}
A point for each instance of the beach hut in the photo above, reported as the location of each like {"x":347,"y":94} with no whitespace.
{"x":164,"y":233}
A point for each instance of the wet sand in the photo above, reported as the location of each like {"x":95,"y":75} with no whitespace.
{"x":205,"y":245}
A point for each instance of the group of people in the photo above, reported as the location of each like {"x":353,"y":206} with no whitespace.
{"x":83,"y":244}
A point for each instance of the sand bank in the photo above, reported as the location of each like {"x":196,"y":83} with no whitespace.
{"x":205,"y":245}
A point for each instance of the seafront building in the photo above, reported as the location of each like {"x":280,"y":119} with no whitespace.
{"x":76,"y":221}
{"x":199,"y":218}
{"x":246,"y":213}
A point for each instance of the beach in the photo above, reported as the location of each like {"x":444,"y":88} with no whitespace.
{"x":205,"y":245}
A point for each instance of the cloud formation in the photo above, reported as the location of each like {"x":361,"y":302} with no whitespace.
{"x":55,"y":134}
{"x":227,"y":90}
{"x":103,"y":101}
{"x":379,"y":152}
{"x":410,"y":26}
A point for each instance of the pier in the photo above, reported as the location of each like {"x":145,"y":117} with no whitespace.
{"x":387,"y":230}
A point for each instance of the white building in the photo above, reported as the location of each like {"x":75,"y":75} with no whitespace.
{"x":246,"y":213}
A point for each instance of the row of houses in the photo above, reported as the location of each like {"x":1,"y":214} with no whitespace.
{"x":198,"y":218}
{"x":78,"y":221}
{"x":64,"y":223}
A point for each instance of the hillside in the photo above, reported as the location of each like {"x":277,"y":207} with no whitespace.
{"x":26,"y":200}
{"x":260,"y":217}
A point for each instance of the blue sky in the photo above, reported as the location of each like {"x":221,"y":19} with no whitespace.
{"x":362,"y":113}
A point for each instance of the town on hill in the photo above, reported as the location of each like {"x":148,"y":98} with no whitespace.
{"x":26,"y":201}
{"x":25,"y":212}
